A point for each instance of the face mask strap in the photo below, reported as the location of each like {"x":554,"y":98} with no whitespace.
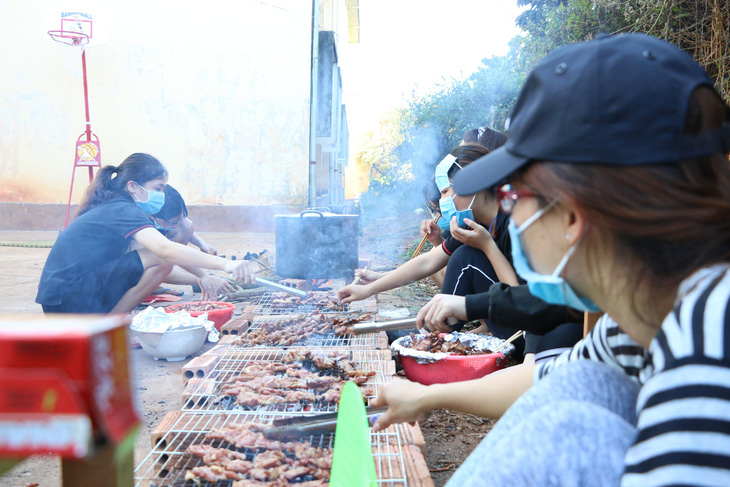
{"x":472,"y":202}
{"x":559,"y":269}
{"x":534,"y":217}
{"x":135,"y":196}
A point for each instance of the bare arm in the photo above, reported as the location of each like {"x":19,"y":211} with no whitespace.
{"x":188,"y":258}
{"x":422,"y":266}
{"x":438,"y":278}
{"x":198,"y":241}
{"x":488,"y":397}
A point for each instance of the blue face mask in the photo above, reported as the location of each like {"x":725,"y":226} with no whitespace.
{"x":448,"y":211}
{"x":155,"y":201}
{"x":550,"y":288}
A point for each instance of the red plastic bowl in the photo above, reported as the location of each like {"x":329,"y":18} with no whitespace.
{"x":454,"y":368}
{"x":218,"y":316}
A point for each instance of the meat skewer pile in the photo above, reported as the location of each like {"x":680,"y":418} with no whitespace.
{"x":264,"y":383}
{"x":434,"y":343}
{"x":298,"y":330}
{"x":202,"y":306}
{"x":317,"y":299}
{"x":274,"y":463}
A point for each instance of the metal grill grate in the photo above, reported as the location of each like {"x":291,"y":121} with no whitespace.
{"x":320,"y":340}
{"x":267,"y":307}
{"x":205,"y":394}
{"x":167,"y":463}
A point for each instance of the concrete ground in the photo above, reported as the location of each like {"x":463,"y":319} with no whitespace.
{"x":158,"y":384}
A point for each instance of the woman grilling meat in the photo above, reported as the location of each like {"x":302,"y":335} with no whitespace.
{"x":93,"y":267}
{"x":438,"y":187}
{"x":473,"y":267}
{"x":619,"y":196}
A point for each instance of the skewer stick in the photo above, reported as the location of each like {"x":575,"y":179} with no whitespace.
{"x":423,"y":240}
{"x":357,"y":279}
{"x":509,"y":340}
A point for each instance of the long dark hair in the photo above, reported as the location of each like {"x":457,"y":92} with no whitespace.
{"x":665,"y":221}
{"x":492,"y":139}
{"x":112,"y":180}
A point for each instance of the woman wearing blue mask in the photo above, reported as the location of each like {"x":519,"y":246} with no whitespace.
{"x":471,"y":268}
{"x":111,"y":256}
{"x":619,"y":198}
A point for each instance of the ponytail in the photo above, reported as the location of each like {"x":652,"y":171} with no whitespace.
{"x":112,"y":180}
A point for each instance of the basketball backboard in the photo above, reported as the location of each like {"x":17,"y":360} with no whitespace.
{"x":90,"y":22}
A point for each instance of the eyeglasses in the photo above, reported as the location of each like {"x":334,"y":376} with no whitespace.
{"x":507,"y":197}
{"x":172,"y":224}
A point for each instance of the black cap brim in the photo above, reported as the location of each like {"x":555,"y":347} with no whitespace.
{"x":487,"y":171}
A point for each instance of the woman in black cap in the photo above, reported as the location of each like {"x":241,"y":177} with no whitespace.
{"x":619,"y":196}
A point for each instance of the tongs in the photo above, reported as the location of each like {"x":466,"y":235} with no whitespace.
{"x":280,"y":287}
{"x":302,"y":426}
{"x":403,"y":324}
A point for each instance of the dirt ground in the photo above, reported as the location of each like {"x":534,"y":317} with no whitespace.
{"x":450,"y":437}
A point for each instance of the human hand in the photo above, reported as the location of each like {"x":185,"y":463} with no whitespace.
{"x":428,"y":227}
{"x":207,"y":290}
{"x":205,"y":248}
{"x":435,"y":313}
{"x":241,"y":271}
{"x":477,"y":236}
{"x":405,"y":403}
{"x":351,"y":293}
{"x":221,"y":285}
{"x":366,"y":276}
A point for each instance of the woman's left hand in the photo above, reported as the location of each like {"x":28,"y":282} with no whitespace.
{"x":207,"y":289}
{"x":220,"y":286}
{"x":441,"y":307}
{"x":476,"y":236}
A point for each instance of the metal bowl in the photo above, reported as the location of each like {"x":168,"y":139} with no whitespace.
{"x":172,"y":345}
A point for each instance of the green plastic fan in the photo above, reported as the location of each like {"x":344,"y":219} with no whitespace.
{"x":352,"y":463}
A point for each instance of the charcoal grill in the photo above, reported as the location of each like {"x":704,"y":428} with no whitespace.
{"x":204,"y":394}
{"x":167,"y":462}
{"x":324,"y":340}
{"x":265,"y":307}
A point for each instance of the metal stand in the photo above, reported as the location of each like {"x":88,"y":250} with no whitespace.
{"x":84,"y":157}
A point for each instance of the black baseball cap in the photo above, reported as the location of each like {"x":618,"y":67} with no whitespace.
{"x":618,"y":100}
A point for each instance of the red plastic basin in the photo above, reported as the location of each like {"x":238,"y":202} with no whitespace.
{"x":218,"y":316}
{"x":454,"y":368}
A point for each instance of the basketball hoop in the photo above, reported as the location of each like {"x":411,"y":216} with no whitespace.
{"x":69,"y":37}
{"x":87,"y":152}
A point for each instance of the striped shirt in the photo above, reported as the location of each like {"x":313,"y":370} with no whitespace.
{"x":683,"y":407}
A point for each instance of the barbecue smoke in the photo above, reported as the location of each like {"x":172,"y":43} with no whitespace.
{"x":392,"y":205}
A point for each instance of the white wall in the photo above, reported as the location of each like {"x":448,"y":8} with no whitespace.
{"x":217,"y":90}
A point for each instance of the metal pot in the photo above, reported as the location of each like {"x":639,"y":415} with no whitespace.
{"x":316,"y":245}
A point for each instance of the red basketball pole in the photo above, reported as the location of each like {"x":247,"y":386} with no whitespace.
{"x":88,"y":152}
{"x":88,"y":138}
{"x":86,"y":105}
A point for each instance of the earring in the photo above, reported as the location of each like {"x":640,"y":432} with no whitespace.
{"x":567,"y":236}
